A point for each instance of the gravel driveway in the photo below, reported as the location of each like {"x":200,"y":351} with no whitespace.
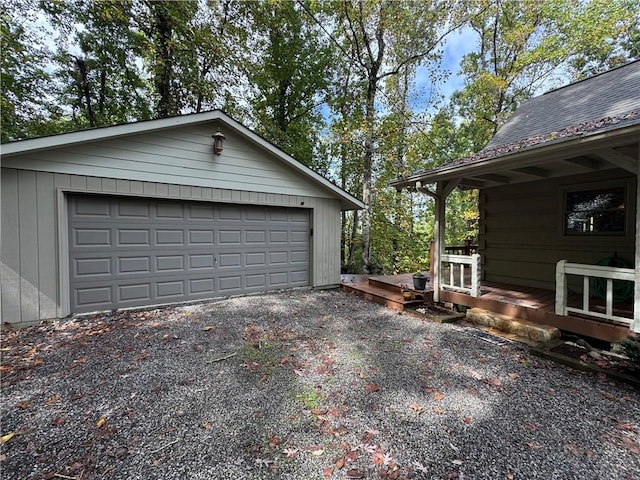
{"x":301,"y":385}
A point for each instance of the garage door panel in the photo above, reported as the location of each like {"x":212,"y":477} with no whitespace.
{"x":202,"y":286}
{"x":278,"y":237}
{"x":129,"y":237}
{"x":233,"y":282}
{"x":134,"y":265}
{"x":138,"y":292}
{"x":278,"y":279}
{"x":201,"y":237}
{"x":256,"y":281}
{"x":257,"y":259}
{"x":229,"y":260}
{"x":230,"y":237}
{"x":91,"y":207}
{"x":88,"y":267}
{"x":133,"y":208}
{"x":95,"y":297}
{"x":168,"y":211}
{"x":173,"y":288}
{"x":169,"y":263}
{"x":128,"y":252}
{"x":200,"y":212}
{"x":91,"y":237}
{"x":173,"y":237}
{"x":198,"y":262}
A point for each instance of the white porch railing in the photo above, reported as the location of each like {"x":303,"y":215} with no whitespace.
{"x":462,"y":263}
{"x":563,"y":268}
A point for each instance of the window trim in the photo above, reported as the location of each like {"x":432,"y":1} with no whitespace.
{"x":624,"y":184}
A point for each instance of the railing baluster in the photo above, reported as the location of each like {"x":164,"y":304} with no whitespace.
{"x":563,"y":269}
{"x":462,"y":275}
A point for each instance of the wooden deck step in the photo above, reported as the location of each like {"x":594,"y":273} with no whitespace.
{"x":381,"y":295}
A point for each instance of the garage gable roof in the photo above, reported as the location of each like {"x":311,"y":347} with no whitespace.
{"x":349,"y":202}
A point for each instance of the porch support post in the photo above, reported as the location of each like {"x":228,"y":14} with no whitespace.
{"x":443,"y":189}
{"x":635,"y":326}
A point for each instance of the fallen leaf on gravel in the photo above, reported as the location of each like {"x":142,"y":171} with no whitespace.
{"x":420,"y":467}
{"x":626,"y":427}
{"x":513,"y":376}
{"x":510,"y":476}
{"x":318,"y":411}
{"x":274,"y":442}
{"x":532,"y":445}
{"x":351,"y":456}
{"x":353,"y":473}
{"x":6,"y":368}
{"x":3,"y":457}
{"x":36,"y":362}
{"x":290,"y":452}
{"x":155,"y":324}
{"x":438,"y":396}
{"x":141,"y":356}
{"x":577,"y":450}
{"x":378,"y":457}
{"x":53,"y":399}
{"x":327,"y":472}
{"x":58,"y":422}
{"x":7,"y":437}
{"x":530,"y":426}
{"x":467,"y":420}
{"x":451,"y":475}
{"x":483,"y":360}
{"x":101,"y":421}
{"x":415,"y":407}
{"x":206,"y":426}
{"x":475,"y":375}
{"x":81,"y":360}
{"x":318,"y":451}
{"x":473,"y":391}
{"x":22,"y":405}
{"x":439,"y":411}
{"x":457,"y":462}
{"x":208,"y":328}
{"x":340,"y":463}
{"x":496,"y":382}
{"x":372,"y":387}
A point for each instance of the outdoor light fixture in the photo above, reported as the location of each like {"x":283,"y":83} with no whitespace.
{"x":218,"y":140}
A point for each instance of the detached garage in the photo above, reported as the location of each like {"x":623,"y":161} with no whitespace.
{"x":147,"y":213}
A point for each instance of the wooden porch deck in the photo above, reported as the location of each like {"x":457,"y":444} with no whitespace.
{"x":525,"y":303}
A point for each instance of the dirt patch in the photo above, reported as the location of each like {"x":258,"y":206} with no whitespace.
{"x":597,"y":358}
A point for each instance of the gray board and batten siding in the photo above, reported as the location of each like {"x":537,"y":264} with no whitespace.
{"x":521,"y":236}
{"x":174,"y":164}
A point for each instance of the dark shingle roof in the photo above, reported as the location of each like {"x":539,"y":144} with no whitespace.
{"x":607,"y":95}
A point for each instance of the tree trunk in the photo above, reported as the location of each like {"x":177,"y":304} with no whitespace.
{"x":86,"y":92}
{"x":164,"y":59}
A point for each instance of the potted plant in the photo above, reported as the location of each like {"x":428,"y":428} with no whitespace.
{"x":407,"y":294}
{"x":420,"y":281}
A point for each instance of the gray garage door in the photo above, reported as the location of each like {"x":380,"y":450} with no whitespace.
{"x":127,"y":252}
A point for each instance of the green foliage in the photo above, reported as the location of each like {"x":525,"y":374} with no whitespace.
{"x":631,"y":348}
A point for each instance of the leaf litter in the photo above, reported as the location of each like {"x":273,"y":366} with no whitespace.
{"x":294,"y":385}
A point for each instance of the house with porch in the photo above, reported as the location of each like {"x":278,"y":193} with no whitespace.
{"x":559,"y":229}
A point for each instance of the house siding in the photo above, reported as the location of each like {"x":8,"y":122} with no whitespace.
{"x":33,"y":220}
{"x":181,"y":155}
{"x":521,"y":233}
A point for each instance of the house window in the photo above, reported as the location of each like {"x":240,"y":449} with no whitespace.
{"x":595,"y":211}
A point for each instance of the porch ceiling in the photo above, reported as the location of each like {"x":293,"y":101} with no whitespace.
{"x":607,"y":150}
